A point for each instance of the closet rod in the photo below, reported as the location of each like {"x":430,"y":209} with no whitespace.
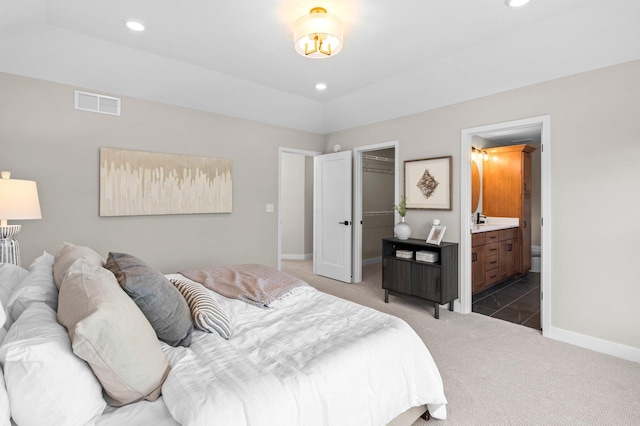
{"x":377,"y":170}
{"x":378,"y":213}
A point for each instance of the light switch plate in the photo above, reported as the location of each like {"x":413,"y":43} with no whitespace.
{"x":269,"y":208}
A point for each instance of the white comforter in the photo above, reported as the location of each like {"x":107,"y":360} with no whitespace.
{"x":312,"y":359}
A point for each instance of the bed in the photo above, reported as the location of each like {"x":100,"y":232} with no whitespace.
{"x":306,"y":358}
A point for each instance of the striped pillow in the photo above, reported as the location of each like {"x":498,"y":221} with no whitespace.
{"x":207,"y":314}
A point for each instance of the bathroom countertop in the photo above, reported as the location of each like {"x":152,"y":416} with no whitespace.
{"x":495,"y":224}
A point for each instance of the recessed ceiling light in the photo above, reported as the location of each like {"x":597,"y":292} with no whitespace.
{"x":321,"y":86}
{"x":135,"y":25}
{"x":516,"y":3}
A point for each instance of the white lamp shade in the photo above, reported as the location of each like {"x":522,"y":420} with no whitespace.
{"x":19,"y":200}
{"x":318,"y":23}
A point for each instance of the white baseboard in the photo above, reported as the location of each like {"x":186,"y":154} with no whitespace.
{"x":296,"y":256}
{"x":372,"y":261}
{"x":595,"y":344}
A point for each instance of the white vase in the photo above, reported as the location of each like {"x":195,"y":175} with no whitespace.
{"x":402,"y":230}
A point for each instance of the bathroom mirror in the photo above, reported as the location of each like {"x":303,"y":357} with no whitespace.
{"x":475,"y":186}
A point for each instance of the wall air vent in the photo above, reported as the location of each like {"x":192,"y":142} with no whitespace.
{"x":93,"y":102}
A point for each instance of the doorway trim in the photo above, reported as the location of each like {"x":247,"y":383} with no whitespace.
{"x":282,"y":150}
{"x":545,"y":210}
{"x":357,"y":199}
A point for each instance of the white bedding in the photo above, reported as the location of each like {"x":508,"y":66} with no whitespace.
{"x":312,"y":359}
{"x":142,"y":413}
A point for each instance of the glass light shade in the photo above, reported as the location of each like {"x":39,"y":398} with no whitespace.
{"x":326,"y":26}
{"x":19,"y":200}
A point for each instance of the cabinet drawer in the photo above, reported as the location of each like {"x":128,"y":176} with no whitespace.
{"x":492,"y":236}
{"x":492,"y":249}
{"x":508,"y":234}
{"x":491,"y":277}
{"x":478,"y":239}
{"x":491,"y":262}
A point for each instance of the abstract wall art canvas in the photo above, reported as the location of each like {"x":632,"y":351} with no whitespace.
{"x":427,"y":183}
{"x":136,"y":183}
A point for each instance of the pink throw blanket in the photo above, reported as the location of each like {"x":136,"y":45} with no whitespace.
{"x":258,"y":285}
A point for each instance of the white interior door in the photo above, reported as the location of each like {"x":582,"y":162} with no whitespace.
{"x":332,"y":221}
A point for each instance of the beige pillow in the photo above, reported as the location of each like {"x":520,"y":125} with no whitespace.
{"x":67,"y":254}
{"x":109,"y":332}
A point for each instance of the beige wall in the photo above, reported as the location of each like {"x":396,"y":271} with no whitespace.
{"x":595,"y":204}
{"x":43,"y":138}
{"x":595,"y":152}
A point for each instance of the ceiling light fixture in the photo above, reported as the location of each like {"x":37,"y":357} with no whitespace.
{"x":135,"y":25}
{"x":516,"y":3}
{"x":318,"y":34}
{"x":321,"y":86}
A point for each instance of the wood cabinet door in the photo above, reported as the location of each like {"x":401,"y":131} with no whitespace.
{"x":427,"y":282}
{"x":477,"y":268}
{"x":396,"y":275}
{"x":508,"y":257}
{"x":501,"y":183}
{"x":525,"y":241}
{"x":526,"y":173}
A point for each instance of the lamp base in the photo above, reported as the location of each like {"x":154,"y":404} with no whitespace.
{"x":9,"y":248}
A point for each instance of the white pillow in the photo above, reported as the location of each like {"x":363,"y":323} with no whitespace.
{"x":10,"y":277}
{"x":46,"y":382}
{"x":111,"y":333}
{"x":37,"y":286}
{"x":67,"y":254}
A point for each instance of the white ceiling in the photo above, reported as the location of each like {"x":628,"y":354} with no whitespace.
{"x":237,"y":57}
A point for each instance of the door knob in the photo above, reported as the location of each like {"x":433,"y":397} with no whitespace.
{"x":346,"y":223}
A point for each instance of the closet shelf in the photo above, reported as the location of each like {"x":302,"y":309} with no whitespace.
{"x":377,"y":164}
{"x":377,"y":158}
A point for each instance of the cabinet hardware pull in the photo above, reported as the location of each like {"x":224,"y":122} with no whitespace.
{"x":493,"y":263}
{"x":474,"y":257}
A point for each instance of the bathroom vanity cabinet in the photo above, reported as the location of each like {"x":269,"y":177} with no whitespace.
{"x":494,"y":256}
{"x":506,"y":180}
{"x":435,"y":281}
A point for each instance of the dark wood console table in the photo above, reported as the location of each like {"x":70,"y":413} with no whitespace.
{"x":436,"y":281}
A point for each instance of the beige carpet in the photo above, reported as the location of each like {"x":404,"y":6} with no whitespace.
{"x":498,"y":373}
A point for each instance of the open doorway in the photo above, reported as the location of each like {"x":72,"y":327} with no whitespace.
{"x":508,"y":133}
{"x":376,"y":206}
{"x":515,"y":296}
{"x":295,"y":204}
{"x":378,"y":194}
{"x":376,"y":189}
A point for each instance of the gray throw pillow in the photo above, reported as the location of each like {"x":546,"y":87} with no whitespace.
{"x":160,"y":302}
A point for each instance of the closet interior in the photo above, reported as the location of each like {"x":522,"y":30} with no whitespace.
{"x":378,"y":177}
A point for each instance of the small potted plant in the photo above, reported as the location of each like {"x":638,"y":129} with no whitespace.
{"x":402,"y":230}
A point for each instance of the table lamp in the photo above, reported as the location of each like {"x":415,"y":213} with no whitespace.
{"x":18,"y":201}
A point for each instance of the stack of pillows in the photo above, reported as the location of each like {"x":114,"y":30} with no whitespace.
{"x":81,"y":330}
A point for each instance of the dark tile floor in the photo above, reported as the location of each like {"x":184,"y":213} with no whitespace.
{"x":515,"y":300}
